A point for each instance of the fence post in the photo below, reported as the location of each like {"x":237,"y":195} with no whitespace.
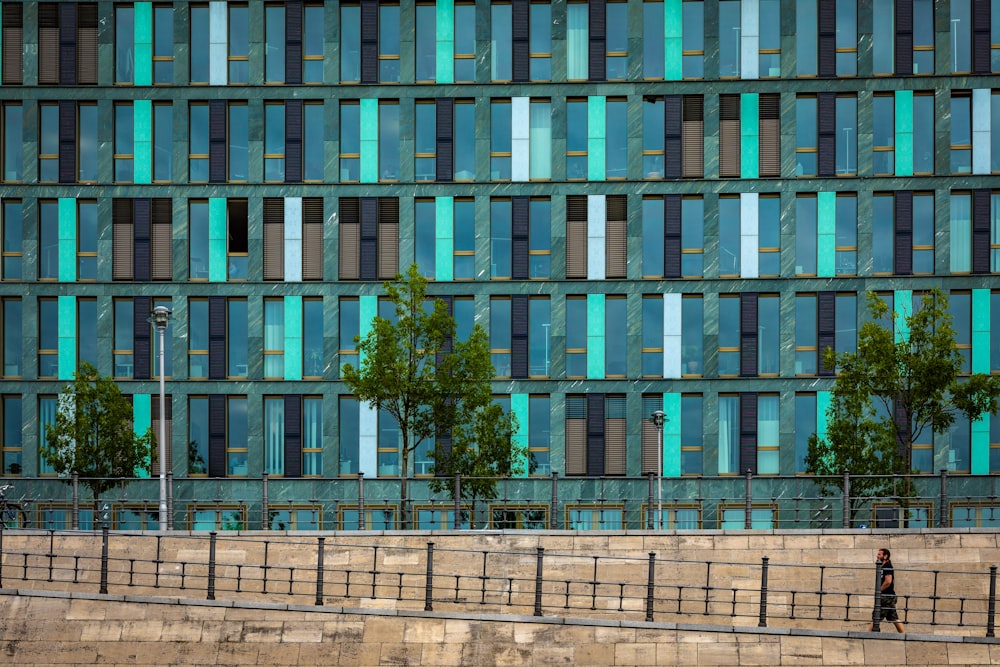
{"x":458,"y":503}
{"x":762,"y":623}
{"x":649,"y":584}
{"x":991,"y":614}
{"x":429,"y":579}
{"x":538,"y":581}
{"x":75,"y":521}
{"x":211,"y":565}
{"x":748,"y":509}
{"x":877,"y":611}
{"x":847,"y":499}
{"x":554,"y":510}
{"x":104,"y":560}
{"x":265,"y":524}
{"x":943,"y":505}
{"x":319,"y":572}
{"x":361,"y":500}
{"x":649,"y":501}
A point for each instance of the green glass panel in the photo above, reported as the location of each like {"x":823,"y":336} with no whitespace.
{"x":445,"y":41}
{"x":749,"y":135}
{"x":143,"y":43}
{"x":980,"y":437}
{"x":904,"y":133}
{"x":142,"y":419}
{"x":369,"y":141}
{"x":595,"y":139}
{"x":217,"y":260}
{"x":444,"y":244}
{"x":293,"y":337}
{"x":67,"y":240}
{"x":673,"y":43}
{"x":595,"y":336}
{"x":672,"y":435}
{"x":67,"y":337}
{"x":822,"y":405}
{"x":981,"y":331}
{"x":826,"y":234}
{"x":903,"y":305}
{"x":519,"y":407}
{"x":142,"y":115}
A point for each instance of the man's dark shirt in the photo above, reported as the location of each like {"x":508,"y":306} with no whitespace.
{"x":888,"y":571}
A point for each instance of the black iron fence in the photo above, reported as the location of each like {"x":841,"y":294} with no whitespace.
{"x":311,"y":571}
{"x":543,"y":503}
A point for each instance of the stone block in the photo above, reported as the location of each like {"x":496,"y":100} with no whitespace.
{"x":383,"y":630}
{"x":882,"y":652}
{"x":445,"y":654}
{"x":237,"y":653}
{"x":925,"y":653}
{"x":639,"y":653}
{"x":423,"y":630}
{"x":842,"y":651}
{"x":278,"y":654}
{"x":968,"y":654}
{"x":141,"y":631}
{"x":720,"y":654}
{"x":298,"y":632}
{"x":594,"y":654}
{"x":799,"y":650}
{"x":262,"y":631}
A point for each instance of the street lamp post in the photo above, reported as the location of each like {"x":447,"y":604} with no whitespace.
{"x":658,"y":418}
{"x":160,"y":316}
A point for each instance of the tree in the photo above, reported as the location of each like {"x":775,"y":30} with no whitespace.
{"x":93,"y":435}
{"x":415,"y":369}
{"x":897,"y":386}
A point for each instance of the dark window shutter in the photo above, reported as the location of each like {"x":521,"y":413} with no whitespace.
{"x":748,"y":335}
{"x":142,"y":350}
{"x":312,"y":238}
{"x":293,"y":42}
{"x":48,"y":42}
{"x":350,"y":238}
{"x":369,"y":41}
{"x":161,"y":239}
{"x":519,"y":237}
{"x":369,"y":238}
{"x":13,"y":43}
{"x":903,"y":233}
{"x":387,"y":245}
{"x":827,"y":43}
{"x":769,"y":134}
{"x":826,"y":130}
{"x":981,"y":37}
{"x":693,"y":136}
{"x":217,"y":141}
{"x":293,"y":141}
{"x":748,"y":432}
{"x":293,"y":435}
{"x":729,"y":136}
{"x":67,"y":43}
{"x":86,"y":43}
{"x":672,"y":142}
{"x":902,"y":427}
{"x":519,"y":336}
{"x":216,"y":435}
{"x":597,"y":62}
{"x":143,"y":237}
{"x":595,"y":434}
{"x":904,"y":37}
{"x":217,"y":338}
{"x":444,"y":144}
{"x":826,"y":329}
{"x":123,"y":240}
{"x":521,"y":70}
{"x":576,"y":236}
{"x":981,"y":231}
{"x":67,"y":142}
{"x":671,"y":236}
{"x":576,"y":435}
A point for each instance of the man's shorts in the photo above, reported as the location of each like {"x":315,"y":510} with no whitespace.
{"x":889,"y":608}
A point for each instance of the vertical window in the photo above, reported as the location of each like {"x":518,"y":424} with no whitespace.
{"x":923,"y":133}
{"x":274,"y":435}
{"x":238,"y":138}
{"x":46,"y":416}
{"x":388,"y":43}
{"x":312,"y":44}
{"x":48,"y":338}
{"x":274,"y":339}
{"x":539,"y":342}
{"x":350,"y":436}
{"x":425,"y":59}
{"x":12,"y":253}
{"x":576,"y":336}
{"x":199,"y":41}
{"x":693,"y":39}
{"x":500,"y":140}
{"x":923,"y":233}
{"x":312,"y":142}
{"x":652,"y":335}
{"x":692,"y":237}
{"x":350,"y":43}
{"x":312,"y":436}
{"x":652,"y":237}
{"x":616,"y":139}
{"x":48,"y":240}
{"x":124,"y":44}
{"x":923,"y":37}
{"x":806,"y":342}
{"x":12,"y":22}
{"x":425,"y":141}
{"x":729,"y":434}
{"x":729,"y":237}
{"x":805,"y":136}
{"x":239,"y":44}
{"x":806,"y":33}
{"x":847,"y":234}
{"x":464,"y":144}
{"x":86,"y":143}
{"x":274,"y":141}
{"x":123,"y":342}
{"x":616,"y":40}
{"x":883,"y":219}
{"x":805,"y":425}
{"x":389,"y":439}
{"x":883,"y":134}
{"x":237,"y":449}
{"x":576,"y":139}
{"x":86,"y":330}
{"x":424,"y":226}
{"x":539,"y":434}
{"x":500,"y":335}
{"x":577,"y":41}
{"x":312,"y":337}
{"x":769,"y":40}
{"x":198,"y":239}
{"x":86,"y":240}
{"x":729,"y":38}
{"x":768,"y":340}
{"x":961,"y":132}
{"x":847,"y":38}
{"x":500,"y":238}
{"x":960,"y":308}
{"x":540,"y":41}
{"x":163,"y":142}
{"x":769,"y":138}
{"x":692,"y":331}
{"x":13,"y":142}
{"x":995,"y":122}
{"x":465,"y":42}
{"x":652,"y":132}
{"x":388,"y":139}
{"x":615,"y":336}
{"x":237,"y":240}
{"x":995,"y":232}
{"x":198,"y":143}
{"x":847,"y":135}
{"x":961,"y":232}
{"x":805,"y":235}
{"x":349,"y":329}
{"x":846,"y":323}
{"x":236,"y":338}
{"x":163,"y":44}
{"x":124,"y":143}
{"x":540,"y":139}
{"x":12,"y":348}
{"x":464,"y":239}
{"x":767,"y":434}
{"x":729,"y":335}
{"x":769,"y":236}
{"x":691,"y":434}
{"x":274,"y":43}
{"x":198,"y":338}
{"x":57,"y":37}
{"x":883,"y":37}
{"x":500,"y":42}
{"x":350,"y":140}
{"x":12,"y":441}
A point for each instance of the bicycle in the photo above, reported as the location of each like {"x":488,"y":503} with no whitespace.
{"x":11,"y":514}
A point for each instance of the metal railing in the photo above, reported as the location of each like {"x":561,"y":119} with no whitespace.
{"x":539,"y":582}
{"x":545,"y":503}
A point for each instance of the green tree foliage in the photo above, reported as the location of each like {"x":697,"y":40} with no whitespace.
{"x":93,"y":434}
{"x":895,"y":388}
{"x":416,"y":369}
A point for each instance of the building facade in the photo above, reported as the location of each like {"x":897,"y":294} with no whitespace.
{"x":672,"y":205}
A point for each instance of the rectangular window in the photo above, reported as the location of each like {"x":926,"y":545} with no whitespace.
{"x":236,"y":338}
{"x":729,"y":434}
{"x":805,"y":425}
{"x":48,"y":338}
{"x":768,"y":340}
{"x":500,"y":335}
{"x":350,"y":141}
{"x":86,"y":330}
{"x":539,"y":237}
{"x":465,"y":42}
{"x":847,"y":234}
{"x":847,"y":135}
{"x":389,"y":442}
{"x":539,"y":341}
{"x":807,"y":31}
{"x":769,"y":236}
{"x":846,"y":323}
{"x":540,"y":41}
{"x":652,"y":131}
{"x":729,"y":237}
{"x":124,"y":44}
{"x":313,"y":27}
{"x":693,"y":39}
{"x":67,"y":43}
{"x":198,"y":142}
{"x":46,"y":416}
{"x":883,"y":218}
{"x":313,"y":359}
{"x":539,"y":435}
{"x":576,"y":139}
{"x":692,"y":237}
{"x":653,"y":242}
{"x":961,"y":132}
{"x":12,"y":254}
{"x":730,"y":42}
{"x":540,"y":139}
{"x":163,"y":44}
{"x":425,"y":59}
{"x":961,"y":232}
{"x":198,"y":239}
{"x":48,"y":239}
{"x":729,"y":135}
{"x":388,"y":43}
{"x":994,"y":443}
{"x":124,"y":143}
{"x":369,"y":238}
{"x":350,"y":42}
{"x":237,"y":445}
{"x":616,"y":40}
{"x":163,"y":142}
{"x":200,"y":43}
{"x":239,"y":44}
{"x":123,"y":342}
{"x":806,"y":141}
{"x":274,"y":141}
{"x":464,"y":239}
{"x":576,"y":336}
{"x":652,"y":335}
{"x":349,"y":328}
{"x":274,"y":44}
{"x":616,"y":140}
{"x":501,"y":38}
{"x":425,"y":140}
{"x":805,"y":235}
{"x":615,"y":337}
{"x":769,"y":39}
{"x":12,"y":23}
{"x":729,"y":335}
{"x":923,"y":133}
{"x":86,"y":240}
{"x":767,"y":434}
{"x":500,"y":140}
{"x":425,"y":241}
{"x":237,"y":240}
{"x":922,"y":233}
{"x":12,"y":439}
{"x":923,"y":37}
{"x":692,"y":333}
{"x":577,"y":41}
{"x":238,"y":142}
{"x":13,"y":141}
{"x":595,"y":434}
{"x":806,"y":345}
{"x":388,"y":139}
{"x":884,"y":134}
{"x":692,"y":430}
{"x":12,"y":348}
{"x":274,"y":339}
{"x":769,"y":138}
{"x":960,"y":308}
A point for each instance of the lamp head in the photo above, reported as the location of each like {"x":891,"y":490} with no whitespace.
{"x":160,"y":316}
{"x":658,"y":417}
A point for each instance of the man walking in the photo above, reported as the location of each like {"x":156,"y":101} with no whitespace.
{"x":888,"y":588}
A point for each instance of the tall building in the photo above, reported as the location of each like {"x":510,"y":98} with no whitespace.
{"x":671,"y":205}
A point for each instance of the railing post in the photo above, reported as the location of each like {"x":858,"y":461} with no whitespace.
{"x":75,"y":521}
{"x":554,"y":509}
{"x":943,"y":501}
{"x":429,"y":579}
{"x":104,"y":560}
{"x":458,"y":503}
{"x":877,"y":611}
{"x":319,"y":572}
{"x":748,"y":510}
{"x":991,"y":613}
{"x":361,"y":500}
{"x":265,"y":524}
{"x":762,"y":622}
{"x":649,"y":502}
{"x":650,"y":582}
{"x":211,"y":565}
{"x":847,"y":499}
{"x":170,"y":501}
{"x":538,"y":581}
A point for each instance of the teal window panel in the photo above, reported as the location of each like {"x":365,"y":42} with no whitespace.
{"x":142,"y":420}
{"x":673,"y":42}
{"x":293,"y":337}
{"x":444,"y":234}
{"x":142,"y":121}
{"x":981,"y":331}
{"x":595,"y":336}
{"x":903,"y":304}
{"x":217,"y":260}
{"x":822,"y":405}
{"x":749,"y":135}
{"x":67,"y":337}
{"x":672,"y":435}
{"x":369,"y":141}
{"x":980,"y":446}
{"x":143,"y":44}
{"x":596,"y":132}
{"x":445,"y":66}
{"x":904,"y":132}
{"x":826,"y":234}
{"x":519,"y":407}
{"x":67,"y":240}
{"x":367,"y":310}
